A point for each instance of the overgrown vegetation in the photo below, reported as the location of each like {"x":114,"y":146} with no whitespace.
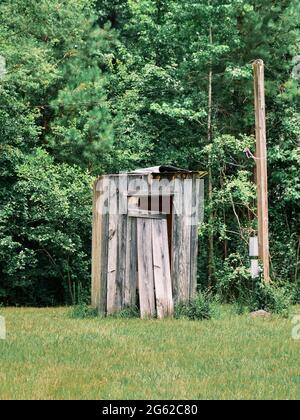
{"x":202,"y":307}
{"x":100,"y":86}
{"x":83,"y":311}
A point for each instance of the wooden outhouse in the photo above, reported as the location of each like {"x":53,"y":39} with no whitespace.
{"x":145,"y":240}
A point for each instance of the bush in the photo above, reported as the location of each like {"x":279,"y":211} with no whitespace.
{"x":233,"y":279}
{"x":200,"y":308}
{"x":261,"y":296}
{"x":235,"y":285}
{"x":270,"y":298}
{"x":293,"y":291}
{"x":45,"y":231}
{"x":83,"y":311}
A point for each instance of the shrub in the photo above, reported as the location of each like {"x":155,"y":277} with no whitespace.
{"x":235,"y":285}
{"x":83,"y":311}
{"x":270,"y":298}
{"x":233,"y":279}
{"x":200,"y":308}
{"x":45,"y":230}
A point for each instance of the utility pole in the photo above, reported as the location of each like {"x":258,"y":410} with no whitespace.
{"x":261,"y":168}
{"x":211,"y":256}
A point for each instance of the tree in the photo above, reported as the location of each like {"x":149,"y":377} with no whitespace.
{"x":52,"y":102}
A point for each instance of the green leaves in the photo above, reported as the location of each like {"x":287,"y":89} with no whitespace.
{"x":44,"y":230}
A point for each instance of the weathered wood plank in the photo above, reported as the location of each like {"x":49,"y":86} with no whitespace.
{"x":176,"y":237}
{"x":135,"y":184}
{"x":114,"y":287}
{"x":99,"y":247}
{"x":185,"y":250}
{"x":96,"y":246}
{"x":105,"y":241}
{"x":196,"y":203}
{"x":162,"y":273}
{"x":131,"y":278}
{"x":145,"y":268}
{"x":181,"y":252}
{"x":130,"y":284}
{"x":167,"y":270}
{"x":122,"y":236}
{"x":146,"y":214}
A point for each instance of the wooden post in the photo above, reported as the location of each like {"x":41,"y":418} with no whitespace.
{"x":261,"y":164}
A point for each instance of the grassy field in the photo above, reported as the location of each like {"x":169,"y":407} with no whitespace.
{"x":48,"y":355}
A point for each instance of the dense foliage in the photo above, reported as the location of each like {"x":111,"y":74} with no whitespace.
{"x":109,"y":85}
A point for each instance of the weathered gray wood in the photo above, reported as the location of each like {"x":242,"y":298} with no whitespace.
{"x":104,"y":252}
{"x":176,"y":237}
{"x":181,"y":253}
{"x":99,"y":247}
{"x":162,"y":273}
{"x":130,"y":284}
{"x":96,"y":247}
{"x":146,"y":214}
{"x":122,"y":237}
{"x":196,"y":202}
{"x":167,"y":270}
{"x":104,"y":260}
{"x":131,"y":280}
{"x":185,"y":249}
{"x":145,"y":268}
{"x":114,"y":287}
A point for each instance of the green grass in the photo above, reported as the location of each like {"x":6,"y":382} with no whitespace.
{"x":48,"y":355}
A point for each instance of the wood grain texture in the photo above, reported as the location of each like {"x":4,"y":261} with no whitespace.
{"x":96,"y":245}
{"x":176,"y":237}
{"x":114,"y":286}
{"x":146,"y":214}
{"x":162,"y":273}
{"x":122,"y":237}
{"x":131,"y":279}
{"x":185,"y":249}
{"x":261,"y":164}
{"x":196,"y":203}
{"x":99,"y":246}
{"x":145,"y":268}
{"x":181,"y":253}
{"x":130,"y":284}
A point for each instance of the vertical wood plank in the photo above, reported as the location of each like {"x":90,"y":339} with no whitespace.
{"x":99,"y":248}
{"x":176,"y":238}
{"x":185,"y":260}
{"x":162,"y":274}
{"x":131,"y":280}
{"x":145,"y":268}
{"x":114,"y":287}
{"x":96,"y":246}
{"x":196,"y":203}
{"x":130,"y":284}
{"x":122,"y":236}
{"x":104,"y":257}
{"x":181,"y":253}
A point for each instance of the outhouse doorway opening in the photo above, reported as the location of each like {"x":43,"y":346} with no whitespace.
{"x":154,"y":206}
